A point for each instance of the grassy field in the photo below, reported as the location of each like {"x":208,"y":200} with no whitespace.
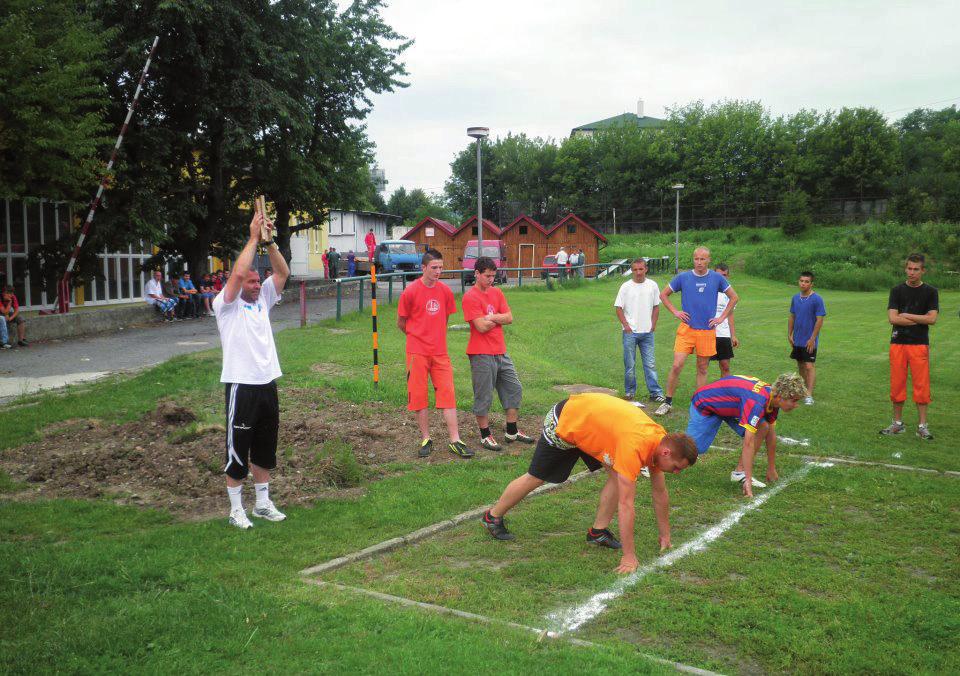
{"x":848,"y":569}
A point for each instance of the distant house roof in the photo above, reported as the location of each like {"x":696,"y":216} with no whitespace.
{"x":645,"y":122}
{"x":369,"y":213}
{"x":563,"y":221}
{"x":451,"y":229}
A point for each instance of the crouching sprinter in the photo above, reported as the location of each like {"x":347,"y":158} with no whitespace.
{"x":750,"y":408}
{"x":603,"y":431}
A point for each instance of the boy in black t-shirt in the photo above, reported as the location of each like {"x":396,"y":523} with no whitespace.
{"x":912,"y":309}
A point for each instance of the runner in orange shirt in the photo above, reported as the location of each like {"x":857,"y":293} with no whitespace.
{"x":603,"y":431}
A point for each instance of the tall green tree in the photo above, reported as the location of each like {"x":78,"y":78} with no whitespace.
{"x":928,"y":186}
{"x":858,"y":154}
{"x":52,"y":100}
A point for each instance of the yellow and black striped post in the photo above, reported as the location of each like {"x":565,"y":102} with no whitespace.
{"x":373,"y":315}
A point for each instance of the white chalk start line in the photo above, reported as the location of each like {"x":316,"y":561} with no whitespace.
{"x":571,"y":619}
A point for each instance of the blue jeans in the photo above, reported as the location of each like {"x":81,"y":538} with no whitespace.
{"x":631,"y":341}
{"x":4,"y":336}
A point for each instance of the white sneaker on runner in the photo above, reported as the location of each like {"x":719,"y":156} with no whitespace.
{"x":808,"y":401}
{"x":645,"y":471}
{"x":238,"y":518}
{"x":269,"y":512}
{"x":739,"y":477}
{"x":663,"y":409}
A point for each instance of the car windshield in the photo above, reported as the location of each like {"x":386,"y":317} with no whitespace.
{"x":491,"y":251}
{"x":550,"y":260}
{"x":402,"y":248}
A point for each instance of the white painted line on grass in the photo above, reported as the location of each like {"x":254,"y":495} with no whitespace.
{"x":485,"y":619}
{"x":571,"y":619}
{"x":427,"y":531}
{"x":883,"y":465}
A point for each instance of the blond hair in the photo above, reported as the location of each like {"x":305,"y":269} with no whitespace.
{"x":789,"y":386}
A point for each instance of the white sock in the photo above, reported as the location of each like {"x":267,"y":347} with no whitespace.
{"x":897,"y":422}
{"x":263,"y":494}
{"x":922,"y":425}
{"x":236,"y":497}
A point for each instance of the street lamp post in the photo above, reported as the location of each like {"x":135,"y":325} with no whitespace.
{"x":678,"y":187}
{"x":479,"y":133}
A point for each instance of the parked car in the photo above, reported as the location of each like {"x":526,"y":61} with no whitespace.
{"x":492,"y":248}
{"x":550,"y":267}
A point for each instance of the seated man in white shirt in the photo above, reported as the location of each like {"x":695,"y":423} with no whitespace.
{"x":153,"y":295}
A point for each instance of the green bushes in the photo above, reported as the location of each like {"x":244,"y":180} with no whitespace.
{"x":795,"y":213}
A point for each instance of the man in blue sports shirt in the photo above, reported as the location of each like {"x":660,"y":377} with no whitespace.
{"x":803,"y":331}
{"x":698,"y":319}
{"x":750,"y":408}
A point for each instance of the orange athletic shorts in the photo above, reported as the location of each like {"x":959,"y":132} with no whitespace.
{"x":916,"y":358}
{"x":701,"y":341}
{"x":440,"y":371}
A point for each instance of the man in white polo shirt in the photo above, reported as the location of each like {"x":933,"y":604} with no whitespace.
{"x":638,"y":308}
{"x":250,"y":372}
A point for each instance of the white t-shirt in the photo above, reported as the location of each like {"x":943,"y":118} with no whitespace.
{"x":249,"y":354}
{"x":152,"y":287}
{"x":562,"y":258}
{"x":637,"y":302}
{"x":723,"y":330}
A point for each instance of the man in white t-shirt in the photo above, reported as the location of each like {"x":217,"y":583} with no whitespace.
{"x":726,"y":333}
{"x":562,"y":260}
{"x":250,"y":372}
{"x":638,"y":308}
{"x":153,"y":295}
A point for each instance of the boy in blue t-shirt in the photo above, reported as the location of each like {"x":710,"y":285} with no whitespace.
{"x":698,"y":319}
{"x":803,"y":330}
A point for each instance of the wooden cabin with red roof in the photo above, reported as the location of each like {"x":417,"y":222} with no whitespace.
{"x":528,"y":242}
{"x":448,"y":239}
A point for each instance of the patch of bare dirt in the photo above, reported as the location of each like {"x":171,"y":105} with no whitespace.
{"x":580,"y":388}
{"x":328,"y":369}
{"x":170,"y":460}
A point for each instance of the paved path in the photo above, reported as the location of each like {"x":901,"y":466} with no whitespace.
{"x":62,"y":362}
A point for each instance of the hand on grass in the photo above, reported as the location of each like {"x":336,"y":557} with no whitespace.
{"x":747,"y":487}
{"x":628,"y":564}
{"x":772,"y":474}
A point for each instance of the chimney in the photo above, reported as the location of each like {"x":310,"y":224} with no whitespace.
{"x":639,"y":107}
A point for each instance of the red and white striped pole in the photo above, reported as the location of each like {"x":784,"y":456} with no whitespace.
{"x":63,"y":291}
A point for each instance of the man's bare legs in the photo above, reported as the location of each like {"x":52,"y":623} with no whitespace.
{"x":449,"y":417}
{"x":703,"y":369}
{"x":515,"y":491}
{"x":679,"y":358}
{"x":608,"y":502}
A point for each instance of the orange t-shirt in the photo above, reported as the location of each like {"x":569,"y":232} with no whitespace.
{"x":426,"y":309}
{"x":612,"y":430}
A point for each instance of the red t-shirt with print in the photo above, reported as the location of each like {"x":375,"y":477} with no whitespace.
{"x":426,"y":309}
{"x":477,"y":303}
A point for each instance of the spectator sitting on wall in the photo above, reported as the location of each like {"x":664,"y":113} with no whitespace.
{"x":218,"y":281}
{"x":14,"y":317}
{"x":4,"y":335}
{"x":194,"y":299}
{"x":171,"y":289}
{"x":207,"y":292}
{"x":153,"y":294}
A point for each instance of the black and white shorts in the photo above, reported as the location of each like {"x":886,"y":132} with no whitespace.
{"x":494,"y":372}
{"x":253,"y":420}
{"x":554,"y":459}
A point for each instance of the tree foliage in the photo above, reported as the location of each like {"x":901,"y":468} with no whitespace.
{"x":51,"y":99}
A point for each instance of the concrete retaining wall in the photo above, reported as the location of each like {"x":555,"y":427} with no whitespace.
{"x":87,"y":322}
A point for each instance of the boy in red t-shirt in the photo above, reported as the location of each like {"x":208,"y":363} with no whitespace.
{"x":486,"y":311}
{"x":422,"y":315}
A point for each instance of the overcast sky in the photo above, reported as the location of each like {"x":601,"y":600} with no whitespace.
{"x":542,"y":68}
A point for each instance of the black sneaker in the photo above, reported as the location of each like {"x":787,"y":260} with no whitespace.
{"x":495,"y":526}
{"x":519,"y":436}
{"x":658,"y":398}
{"x":603,"y":538}
{"x":23,"y":343}
{"x":460,"y":449}
{"x":426,"y":448}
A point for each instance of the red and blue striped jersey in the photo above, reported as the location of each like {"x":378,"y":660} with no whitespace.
{"x":745,"y":398}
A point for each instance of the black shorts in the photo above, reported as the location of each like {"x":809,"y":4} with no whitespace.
{"x":554,"y":465}
{"x":253,"y":419}
{"x":799,"y":353}
{"x":724,"y":349}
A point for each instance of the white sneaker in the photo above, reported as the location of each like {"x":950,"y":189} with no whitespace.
{"x":739,"y":477}
{"x":808,"y":401}
{"x":645,"y":471}
{"x":663,"y":409}
{"x":268,"y":512}
{"x":238,"y":518}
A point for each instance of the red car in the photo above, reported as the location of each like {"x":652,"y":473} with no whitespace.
{"x":550,"y":267}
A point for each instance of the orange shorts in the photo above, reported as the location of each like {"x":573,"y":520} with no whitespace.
{"x":439,"y":370}
{"x":916,"y":359}
{"x":701,"y":341}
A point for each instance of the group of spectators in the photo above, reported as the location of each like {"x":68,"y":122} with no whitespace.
{"x":11,"y":320}
{"x":570,"y":262}
{"x":179,"y":297}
